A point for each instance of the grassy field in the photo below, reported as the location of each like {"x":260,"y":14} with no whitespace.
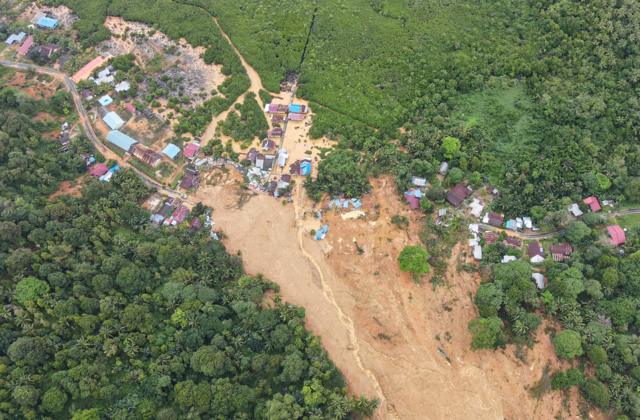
{"x":628,"y":221}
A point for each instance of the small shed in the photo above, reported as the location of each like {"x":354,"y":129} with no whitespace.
{"x":574,"y":209}
{"x":539,"y":279}
{"x":282,"y":157}
{"x":458,"y":194}
{"x":172,"y":151}
{"x":297,"y":117}
{"x":418,"y":181}
{"x":106,"y":100}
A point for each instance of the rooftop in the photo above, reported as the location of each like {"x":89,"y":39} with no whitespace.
{"x":616,"y":235}
{"x":121,"y":140}
{"x":171,"y":150}
{"x":47,"y":22}
{"x":593,"y":203}
{"x":113,"y":120}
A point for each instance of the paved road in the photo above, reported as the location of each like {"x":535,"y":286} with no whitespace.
{"x":86,"y":122}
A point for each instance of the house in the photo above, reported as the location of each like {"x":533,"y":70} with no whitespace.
{"x":113,"y":120}
{"x":196,"y":224}
{"x":26,"y":46}
{"x":189,"y":181}
{"x":275,"y":132}
{"x":267,"y":145}
{"x":268,"y":162}
{"x":259,"y":162}
{"x":46,"y":22}
{"x":48,"y":50}
{"x":616,"y":235}
{"x":172,"y":151}
{"x":190,"y":150}
{"x":276,"y":108}
{"x":156,"y":218}
{"x":419,"y":182}
{"x":16,"y":38}
{"x":121,"y":140}
{"x":282,"y":157}
{"x":458,"y":194}
{"x":593,"y":203}
{"x":493,"y":219}
{"x":574,"y":209}
{"x":123,"y":86}
{"x":513,"y":242}
{"x":251,"y":155}
{"x":296,"y":117}
{"x":297,"y":108}
{"x":89,"y":68}
{"x":86,"y":94}
{"x":535,"y":252}
{"x":105,"y":76}
{"x":444,"y":167}
{"x":98,"y":170}
{"x":528,"y":223}
{"x":276,"y":119}
{"x":146,"y":155}
{"x":539,"y":279}
{"x":560,"y":252}
{"x":106,"y":100}
{"x":413,"y":197}
{"x":476,"y":207}
{"x":491,"y":237}
{"x":511,"y":224}
{"x":179,"y":215}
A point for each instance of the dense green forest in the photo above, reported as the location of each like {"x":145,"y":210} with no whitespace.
{"x":541,"y":94}
{"x":105,"y":316}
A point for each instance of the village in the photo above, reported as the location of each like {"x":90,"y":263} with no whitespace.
{"x":138,"y":132}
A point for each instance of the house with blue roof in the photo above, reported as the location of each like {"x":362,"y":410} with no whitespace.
{"x":171,"y":150}
{"x":121,"y":140}
{"x":46,"y":22}
{"x":105,"y":100}
{"x":113,"y":120}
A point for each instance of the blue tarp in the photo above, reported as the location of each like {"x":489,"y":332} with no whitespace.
{"x":295,"y":108}
{"x":322,"y":232}
{"x":356,"y":203}
{"x":105,"y":100}
{"x":171,"y":150}
{"x":114,"y":169}
{"x":47,"y":22}
{"x":305,"y":168}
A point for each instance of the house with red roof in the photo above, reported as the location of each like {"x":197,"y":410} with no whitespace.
{"x":190,"y":150}
{"x":616,"y":235}
{"x":593,"y":203}
{"x":513,"y":242}
{"x":98,"y":170}
{"x":535,"y":252}
{"x":561,"y":251}
{"x":26,"y":46}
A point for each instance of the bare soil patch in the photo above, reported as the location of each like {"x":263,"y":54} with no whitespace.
{"x":72,"y":188}
{"x":402,"y":342}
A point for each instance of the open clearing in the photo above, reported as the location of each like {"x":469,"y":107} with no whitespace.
{"x":390,"y":337}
